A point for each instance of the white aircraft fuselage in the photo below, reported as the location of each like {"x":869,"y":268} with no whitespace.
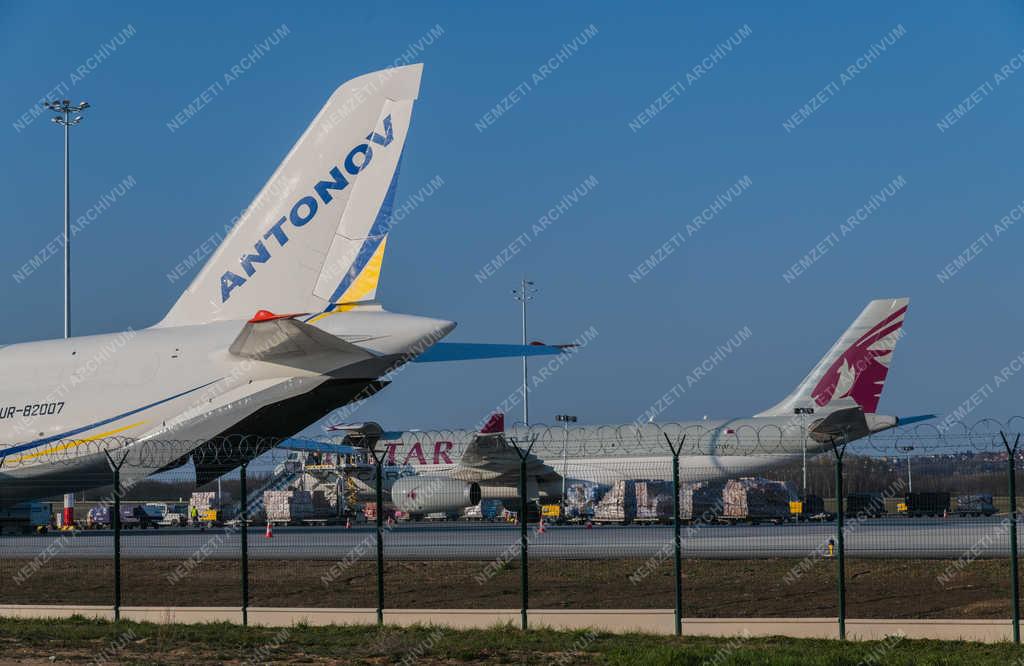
{"x":168,"y":390}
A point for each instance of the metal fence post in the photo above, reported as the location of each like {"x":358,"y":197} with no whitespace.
{"x":116,"y":520}
{"x":243,"y":522}
{"x":116,"y":524}
{"x":1011,"y":455}
{"x":839,"y":452}
{"x":378,"y":462}
{"x":677,"y":537}
{"x":524,"y":541}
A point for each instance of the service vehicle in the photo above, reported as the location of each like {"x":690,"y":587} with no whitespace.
{"x":176,"y":515}
{"x":26,"y":518}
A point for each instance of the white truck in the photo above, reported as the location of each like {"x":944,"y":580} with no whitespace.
{"x":25,"y":518}
{"x":175,"y":515}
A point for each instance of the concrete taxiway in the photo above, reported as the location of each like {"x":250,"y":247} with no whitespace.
{"x":877,"y":538}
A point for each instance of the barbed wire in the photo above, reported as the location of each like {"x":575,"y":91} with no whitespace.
{"x":550,"y":441}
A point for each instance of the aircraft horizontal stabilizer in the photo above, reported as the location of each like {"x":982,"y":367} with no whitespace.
{"x":313,"y":446}
{"x":848,"y":422}
{"x":469,"y":351}
{"x":362,"y":432}
{"x":274,"y":338}
{"x":907,"y":420}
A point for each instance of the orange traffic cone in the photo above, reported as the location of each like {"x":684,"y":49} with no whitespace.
{"x":540,"y":527}
{"x":348,"y":523}
{"x":270,"y":531}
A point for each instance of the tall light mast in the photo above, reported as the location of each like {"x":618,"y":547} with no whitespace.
{"x":524,"y":293}
{"x":64,"y":109}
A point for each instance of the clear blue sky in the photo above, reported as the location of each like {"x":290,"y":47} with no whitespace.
{"x":575,"y":123}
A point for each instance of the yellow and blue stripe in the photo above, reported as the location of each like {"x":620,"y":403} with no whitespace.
{"x":360,"y":281}
{"x":98,"y":424}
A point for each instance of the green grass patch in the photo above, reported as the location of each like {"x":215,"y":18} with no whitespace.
{"x":80,"y":639}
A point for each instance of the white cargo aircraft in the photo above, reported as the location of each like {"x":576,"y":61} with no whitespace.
{"x":279,"y":328}
{"x":836,"y":402}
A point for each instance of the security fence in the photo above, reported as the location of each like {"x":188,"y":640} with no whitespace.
{"x":710,"y":521}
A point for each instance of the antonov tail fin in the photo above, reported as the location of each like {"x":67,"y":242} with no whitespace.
{"x":314,"y":237}
{"x":853,"y":371}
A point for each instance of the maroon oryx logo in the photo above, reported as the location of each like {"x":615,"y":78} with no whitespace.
{"x":860,"y":371}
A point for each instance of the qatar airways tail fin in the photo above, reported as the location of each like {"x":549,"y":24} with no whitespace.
{"x":313,"y":239}
{"x":495,"y":424}
{"x":853,"y":371}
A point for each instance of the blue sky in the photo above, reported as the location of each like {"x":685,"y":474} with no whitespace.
{"x":724,"y":123}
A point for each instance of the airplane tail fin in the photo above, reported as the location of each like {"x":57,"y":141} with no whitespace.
{"x":495,"y":424}
{"x":314,"y":238}
{"x":853,"y":371}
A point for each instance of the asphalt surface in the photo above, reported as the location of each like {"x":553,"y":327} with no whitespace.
{"x":875,"y":538}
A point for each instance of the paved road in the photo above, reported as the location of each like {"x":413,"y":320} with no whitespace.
{"x":892,"y":537}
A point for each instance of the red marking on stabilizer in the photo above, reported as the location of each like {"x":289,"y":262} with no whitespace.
{"x":494,"y":425}
{"x":538,"y":343}
{"x":266,"y":315}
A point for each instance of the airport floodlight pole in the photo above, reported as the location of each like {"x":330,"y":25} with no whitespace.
{"x":64,"y":109}
{"x":524,"y":293}
{"x":565,"y":420}
{"x":801,"y":411}
{"x":910,"y":479}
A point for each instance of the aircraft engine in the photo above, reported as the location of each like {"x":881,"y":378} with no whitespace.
{"x":430,"y":494}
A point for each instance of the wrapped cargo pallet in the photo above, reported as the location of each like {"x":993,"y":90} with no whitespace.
{"x":203,"y":501}
{"x":975,"y":505}
{"x":865,"y":505}
{"x":700,"y":500}
{"x":325,"y":501}
{"x":653,"y":500}
{"x":286,"y":506}
{"x":618,"y":504}
{"x":580,"y":500}
{"x":754,"y":497}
